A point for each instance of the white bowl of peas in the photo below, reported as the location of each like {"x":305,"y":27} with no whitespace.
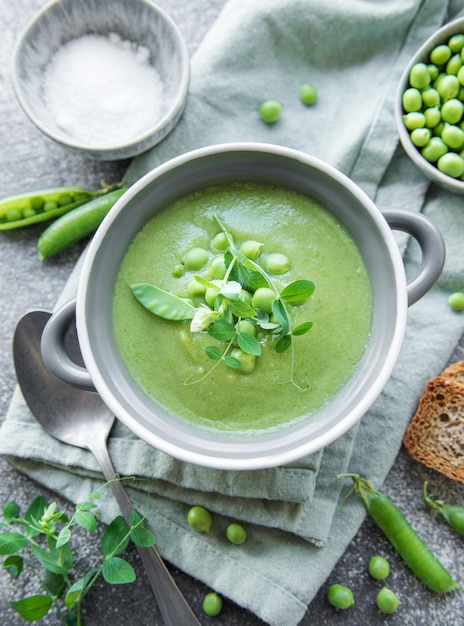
{"x":429,"y":107}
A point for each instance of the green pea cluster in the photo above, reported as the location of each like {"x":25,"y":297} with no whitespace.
{"x":342,"y":597}
{"x":433,"y":105}
{"x":200,"y":520}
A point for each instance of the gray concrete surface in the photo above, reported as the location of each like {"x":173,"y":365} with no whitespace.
{"x":30,"y":161}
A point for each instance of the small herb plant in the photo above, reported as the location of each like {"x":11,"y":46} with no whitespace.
{"x":41,"y":541}
{"x":238,"y":301}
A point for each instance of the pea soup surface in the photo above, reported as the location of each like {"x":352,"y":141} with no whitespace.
{"x":169,"y":362}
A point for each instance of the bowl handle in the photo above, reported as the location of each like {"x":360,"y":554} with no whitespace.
{"x":431,"y":244}
{"x":54,"y":352}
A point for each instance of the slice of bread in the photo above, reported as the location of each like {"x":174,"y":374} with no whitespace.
{"x":435,"y":436}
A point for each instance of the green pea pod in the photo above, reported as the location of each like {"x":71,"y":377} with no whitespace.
{"x":162,"y":303}
{"x":40,"y":206}
{"x":407,"y":543}
{"x":76,"y":224}
{"x":451,"y":513}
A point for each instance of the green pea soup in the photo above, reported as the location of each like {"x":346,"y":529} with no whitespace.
{"x":169,"y":363}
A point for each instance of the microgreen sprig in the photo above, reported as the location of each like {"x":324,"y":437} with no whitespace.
{"x":222,"y":321}
{"x":41,"y":540}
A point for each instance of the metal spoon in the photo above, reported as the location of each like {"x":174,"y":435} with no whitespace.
{"x":80,"y":418}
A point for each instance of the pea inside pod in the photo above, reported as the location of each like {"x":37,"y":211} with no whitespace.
{"x":40,"y":206}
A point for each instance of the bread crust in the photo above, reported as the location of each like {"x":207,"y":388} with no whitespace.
{"x":435,"y":435}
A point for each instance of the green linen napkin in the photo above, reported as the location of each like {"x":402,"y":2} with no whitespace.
{"x":354,"y":52}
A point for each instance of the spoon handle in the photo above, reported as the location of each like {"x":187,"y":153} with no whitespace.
{"x":171,"y":602}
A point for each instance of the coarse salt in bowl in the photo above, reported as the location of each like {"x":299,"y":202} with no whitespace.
{"x":106,"y":80}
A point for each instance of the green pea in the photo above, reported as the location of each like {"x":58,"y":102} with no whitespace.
{"x":50,"y":205}
{"x":430,"y":97}
{"x":263,"y":299}
{"x":456,"y":42}
{"x":245,"y":326}
{"x":199,"y":519}
{"x":379,"y":568}
{"x":440,"y":54}
{"x":453,"y":136}
{"x":37,"y":203}
{"x":419,"y":76}
{"x":432,"y":117}
{"x":277,"y":263}
{"x":195,"y":258}
{"x":270,"y":111}
{"x":434,"y":149}
{"x":194,"y":288}
{"x":220,"y":242}
{"x":212,"y":604}
{"x":308,"y":94}
{"x":448,"y":86}
{"x":415,"y":119}
{"x":412,"y":100}
{"x":13,"y":215}
{"x":211,"y":294}
{"x":456,"y":301}
{"x":387,"y":601}
{"x":246,"y":296}
{"x":247,"y":361}
{"x":251,"y":249}
{"x":454,"y":64}
{"x":420,"y":137}
{"x":451,"y":164}
{"x":217,"y":267}
{"x":460,"y":75}
{"x":433,"y":71}
{"x":178,"y":270}
{"x":438,"y":129}
{"x":452,"y":110}
{"x":236,"y":534}
{"x":340,"y":596}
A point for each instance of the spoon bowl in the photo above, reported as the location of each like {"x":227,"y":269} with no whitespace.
{"x":80,"y":418}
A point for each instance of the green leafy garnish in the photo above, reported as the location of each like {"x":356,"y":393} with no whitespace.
{"x":222,"y":320}
{"x":41,"y":539}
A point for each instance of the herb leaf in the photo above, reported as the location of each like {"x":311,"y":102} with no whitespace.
{"x":283,"y":344}
{"x":162,"y":303}
{"x":240,"y":308}
{"x":297,"y":291}
{"x":249,"y":344}
{"x":10,"y":511}
{"x":303,"y":328}
{"x":213,"y":353}
{"x":12,"y":542}
{"x":117,"y":571}
{"x":32,"y":608}
{"x":281,"y":314}
{"x":115,"y":537}
{"x":222,"y":331}
{"x":232,"y":362}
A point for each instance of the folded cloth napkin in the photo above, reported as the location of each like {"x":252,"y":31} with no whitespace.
{"x":354,"y":52}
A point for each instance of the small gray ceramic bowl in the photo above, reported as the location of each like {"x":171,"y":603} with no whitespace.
{"x":137,"y":21}
{"x":422,"y":55}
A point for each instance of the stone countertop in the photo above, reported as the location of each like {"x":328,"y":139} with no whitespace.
{"x":30,"y":161}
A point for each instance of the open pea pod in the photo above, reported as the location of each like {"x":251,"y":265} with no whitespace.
{"x":162,"y":303}
{"x":42,"y":205}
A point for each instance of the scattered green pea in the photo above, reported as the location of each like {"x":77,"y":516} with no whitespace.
{"x":235,"y":533}
{"x":212,"y":604}
{"x":217,"y":267}
{"x":456,"y":301}
{"x":251,"y":249}
{"x":308,"y":94}
{"x":440,"y":54}
{"x":195,"y":258}
{"x":277,"y":263}
{"x":451,"y":164}
{"x":220,"y":242}
{"x":199,"y":519}
{"x":387,"y":601}
{"x":245,"y":326}
{"x":270,"y":111}
{"x":178,"y":270}
{"x":340,"y":597}
{"x":263,"y":299}
{"x":379,"y":567}
{"x":247,"y":361}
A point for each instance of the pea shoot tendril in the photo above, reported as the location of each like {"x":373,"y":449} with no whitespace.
{"x":242,"y":308}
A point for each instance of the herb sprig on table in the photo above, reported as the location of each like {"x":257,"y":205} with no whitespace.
{"x":40,"y":541}
{"x":240,"y":303}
